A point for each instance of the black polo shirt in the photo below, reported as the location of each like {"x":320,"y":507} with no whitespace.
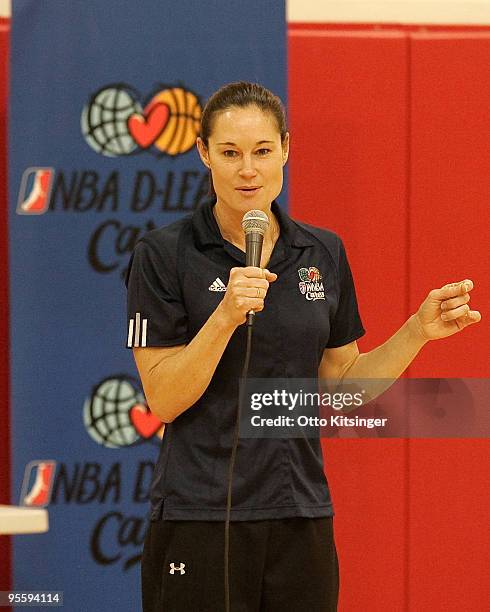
{"x":176,"y":279}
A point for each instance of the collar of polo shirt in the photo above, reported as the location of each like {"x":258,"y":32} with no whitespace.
{"x":206,"y":230}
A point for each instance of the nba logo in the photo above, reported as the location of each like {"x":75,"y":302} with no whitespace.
{"x":35,"y":189}
{"x":37,"y":483}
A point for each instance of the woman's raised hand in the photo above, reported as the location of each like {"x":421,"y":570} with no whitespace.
{"x":446,"y":311}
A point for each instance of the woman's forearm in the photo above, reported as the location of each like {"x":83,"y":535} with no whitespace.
{"x":378,"y":369}
{"x":392,"y":358}
{"x":179,"y":380}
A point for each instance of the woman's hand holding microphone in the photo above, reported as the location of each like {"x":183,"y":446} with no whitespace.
{"x":246,"y":290}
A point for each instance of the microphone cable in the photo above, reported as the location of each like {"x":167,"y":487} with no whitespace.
{"x":232,"y":464}
{"x":254,"y":223}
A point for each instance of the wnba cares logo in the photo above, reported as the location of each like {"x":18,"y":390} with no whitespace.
{"x":115,"y":123}
{"x":310,"y":285}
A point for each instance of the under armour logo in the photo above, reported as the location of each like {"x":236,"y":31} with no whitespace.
{"x":174,"y":569}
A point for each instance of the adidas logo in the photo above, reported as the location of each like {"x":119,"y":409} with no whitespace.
{"x":218,"y":285}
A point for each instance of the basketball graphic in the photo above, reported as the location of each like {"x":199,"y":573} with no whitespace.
{"x":182,"y":127}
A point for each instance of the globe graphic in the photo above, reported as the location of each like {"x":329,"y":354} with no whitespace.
{"x":104,"y":120}
{"x":106,"y":412}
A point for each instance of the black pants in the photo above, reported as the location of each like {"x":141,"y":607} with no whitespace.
{"x":275,"y":566}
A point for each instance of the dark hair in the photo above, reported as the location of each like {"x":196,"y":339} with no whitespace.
{"x":241,"y":94}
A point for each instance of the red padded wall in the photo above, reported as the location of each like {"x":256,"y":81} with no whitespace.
{"x":348,"y":164}
{"x":390,"y":149}
{"x":4,"y":328}
{"x":450,"y":233}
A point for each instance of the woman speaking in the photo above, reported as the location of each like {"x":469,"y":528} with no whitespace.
{"x":189,"y":292}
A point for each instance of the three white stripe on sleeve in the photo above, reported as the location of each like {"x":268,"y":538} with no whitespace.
{"x":137,"y":331}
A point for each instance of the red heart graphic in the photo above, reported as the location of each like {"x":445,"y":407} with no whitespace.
{"x":311,"y":274}
{"x":146,"y":128}
{"x":145,"y":423}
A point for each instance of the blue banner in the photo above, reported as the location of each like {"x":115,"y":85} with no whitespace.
{"x":105,"y":104}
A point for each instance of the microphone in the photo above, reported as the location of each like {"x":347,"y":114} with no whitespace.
{"x":255,"y":224}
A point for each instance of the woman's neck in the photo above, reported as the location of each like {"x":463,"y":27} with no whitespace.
{"x":230,"y":225}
